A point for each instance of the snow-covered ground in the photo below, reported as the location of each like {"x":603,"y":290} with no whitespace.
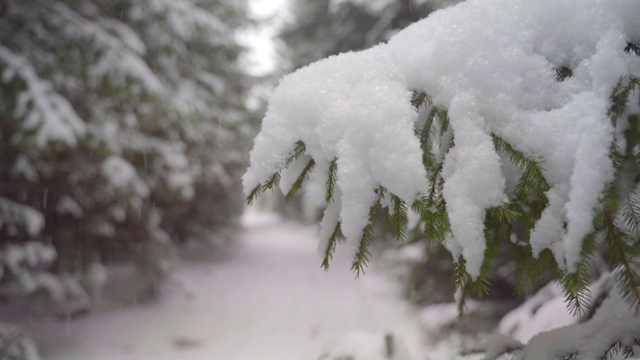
{"x":269,"y":299}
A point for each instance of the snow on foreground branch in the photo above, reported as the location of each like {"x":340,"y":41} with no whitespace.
{"x":481,"y":116}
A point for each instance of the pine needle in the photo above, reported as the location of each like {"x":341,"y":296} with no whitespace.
{"x":399,"y":218}
{"x":331,"y":246}
{"x":332,"y":179}
{"x":362,"y":256}
{"x":301,"y":178}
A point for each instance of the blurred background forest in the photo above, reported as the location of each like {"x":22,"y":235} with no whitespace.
{"x":124,"y":130}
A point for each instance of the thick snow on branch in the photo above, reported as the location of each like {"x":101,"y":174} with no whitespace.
{"x":184,"y":17}
{"x":492,"y":64}
{"x":26,"y":217}
{"x":39,"y":106}
{"x":120,"y":55}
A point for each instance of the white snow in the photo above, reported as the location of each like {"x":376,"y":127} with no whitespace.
{"x":492,"y":64}
{"x":120,"y":54}
{"x":16,"y":214}
{"x":268,"y":299}
{"x":39,"y":107}
{"x":544,"y":311}
{"x":121,"y":175}
{"x":613,"y":322}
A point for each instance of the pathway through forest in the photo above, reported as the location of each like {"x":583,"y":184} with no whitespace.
{"x":269,"y":299}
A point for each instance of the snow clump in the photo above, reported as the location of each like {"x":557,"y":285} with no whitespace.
{"x":492,"y":64}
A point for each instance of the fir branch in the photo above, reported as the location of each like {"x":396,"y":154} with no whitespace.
{"x":332,"y":180}
{"x":425,"y":134}
{"x":576,"y":284}
{"x":460,"y":280}
{"x":443,"y":116}
{"x":531,"y":272}
{"x":632,"y":48}
{"x":482,"y":285}
{"x":631,"y":213}
{"x":301,"y":178}
{"x":619,"y":97}
{"x":331,"y":246}
{"x":624,"y":256}
{"x":420,"y":98}
{"x":274,"y":180}
{"x":438,"y":226}
{"x":629,"y":280}
{"x":434,"y":217}
{"x":399,"y":218}
{"x":259,"y":189}
{"x":421,"y":207}
{"x":298,"y":150}
{"x":253,"y":195}
{"x":436,"y":183}
{"x":503,"y":214}
{"x":563,"y":73}
{"x":532,"y":180}
{"x":362,"y":256}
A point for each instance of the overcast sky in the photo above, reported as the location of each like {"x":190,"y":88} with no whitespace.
{"x":261,"y":60}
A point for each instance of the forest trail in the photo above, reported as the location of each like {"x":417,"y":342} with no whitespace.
{"x":269,"y":299}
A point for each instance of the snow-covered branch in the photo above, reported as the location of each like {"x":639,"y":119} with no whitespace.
{"x":492,"y":65}
{"x":39,"y":107}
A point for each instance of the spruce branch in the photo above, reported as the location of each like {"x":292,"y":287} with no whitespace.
{"x":576,"y":284}
{"x":530,"y":271}
{"x":620,"y":96}
{"x":331,"y":246}
{"x":332,"y":180}
{"x":399,"y":218}
{"x":259,"y":189}
{"x":532,"y":180}
{"x":301,"y":178}
{"x":253,"y":195}
{"x":563,"y":73}
{"x":632,"y":48}
{"x":503,"y":214}
{"x":274,"y":180}
{"x":361,"y":259}
{"x":420,"y":98}
{"x":631,"y":212}
{"x":460,"y":280}
{"x":298,"y":150}
{"x":624,"y":257}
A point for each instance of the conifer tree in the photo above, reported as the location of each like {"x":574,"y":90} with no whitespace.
{"x":119,"y":120}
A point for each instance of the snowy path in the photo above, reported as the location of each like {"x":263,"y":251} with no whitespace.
{"x":268,"y":300}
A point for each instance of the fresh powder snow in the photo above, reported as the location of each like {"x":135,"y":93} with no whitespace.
{"x":268,"y":298}
{"x":493,"y":65}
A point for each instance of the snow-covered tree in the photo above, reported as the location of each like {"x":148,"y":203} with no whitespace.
{"x":322,"y":28}
{"x":119,"y":120}
{"x":496,"y":121}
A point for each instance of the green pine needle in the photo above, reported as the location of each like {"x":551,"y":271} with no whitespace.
{"x":274,"y":180}
{"x":331,"y":247}
{"x":399,"y":218}
{"x":298,"y":150}
{"x":625,"y":257}
{"x":576,"y":284}
{"x":631,"y":213}
{"x":253,"y":195}
{"x":301,"y":178}
{"x":332,"y":179}
{"x":362,"y":256}
{"x":420,"y":98}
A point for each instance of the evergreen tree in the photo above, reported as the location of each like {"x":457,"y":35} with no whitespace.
{"x":122,"y":125}
{"x":323,"y":28}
